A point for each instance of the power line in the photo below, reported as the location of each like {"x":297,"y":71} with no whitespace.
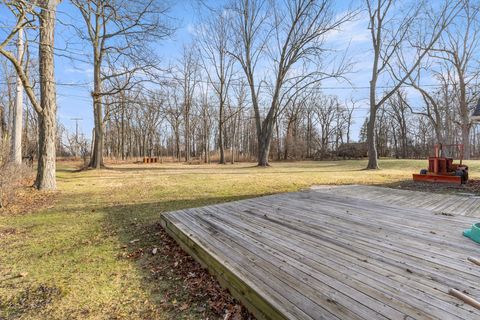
{"x":318,"y":88}
{"x":66,"y":84}
{"x":268,"y":86}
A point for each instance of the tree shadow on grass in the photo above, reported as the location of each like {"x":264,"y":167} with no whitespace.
{"x":239,"y":170}
{"x":216,"y":166}
{"x":176,"y":285}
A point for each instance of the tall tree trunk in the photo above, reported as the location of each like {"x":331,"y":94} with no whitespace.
{"x":205,"y":138}
{"x":287,"y":136}
{"x":465,"y":117}
{"x":234,"y":133}
{"x":187,"y":132}
{"x":279,"y":152}
{"x":466,"y":140}
{"x":404,"y":139}
{"x":47,"y":118}
{"x":220,"y":132}
{"x":18,"y":111}
{"x":46,"y":150}
{"x":264,"y":136}
{"x":309,"y":135}
{"x":263,"y":150}
{"x":123,"y":130}
{"x":193,"y":145}
{"x":371,"y":143}
{"x":264,"y":140}
{"x":3,"y":131}
{"x":177,"y":144}
{"x":96,"y":161}
{"x":221,"y":146}
{"x":395,"y":143}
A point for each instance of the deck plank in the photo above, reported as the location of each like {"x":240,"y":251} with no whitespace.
{"x":464,"y":205}
{"x":358,"y":275}
{"x":355,"y":253}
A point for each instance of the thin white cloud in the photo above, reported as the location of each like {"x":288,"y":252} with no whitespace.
{"x":79,"y":70}
{"x":192,"y":29}
{"x":355,"y":31}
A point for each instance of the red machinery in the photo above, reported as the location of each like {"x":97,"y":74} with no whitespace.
{"x":442,"y":169}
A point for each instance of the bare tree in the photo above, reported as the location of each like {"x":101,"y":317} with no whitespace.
{"x":326,"y":111}
{"x":348,"y":116}
{"x":46,"y":107}
{"x":188,"y":81}
{"x":118,"y":31}
{"x":399,"y":113}
{"x":391,"y":30}
{"x":18,"y":111}
{"x":234,"y":116}
{"x":5,"y":107}
{"x":293,"y":32}
{"x":457,"y":48}
{"x":436,"y":103}
{"x":173,"y":115}
{"x":206,"y":122}
{"x":218,"y":64}
{"x":292,"y":114}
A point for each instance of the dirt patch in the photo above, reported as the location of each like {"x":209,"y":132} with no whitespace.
{"x":471,"y":187}
{"x":5,"y":232}
{"x":32,"y":298}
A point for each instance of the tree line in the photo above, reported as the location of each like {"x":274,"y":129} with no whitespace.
{"x":248,"y":86}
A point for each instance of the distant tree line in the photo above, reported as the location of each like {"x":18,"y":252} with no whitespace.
{"x":317,"y":127}
{"x":248,"y":87}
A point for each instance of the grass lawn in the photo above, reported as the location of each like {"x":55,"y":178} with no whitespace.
{"x":89,"y":255}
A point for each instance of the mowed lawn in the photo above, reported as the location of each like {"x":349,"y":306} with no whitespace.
{"x":73,"y":260}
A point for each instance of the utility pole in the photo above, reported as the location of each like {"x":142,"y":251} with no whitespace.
{"x":18,"y":111}
{"x":76,"y":134}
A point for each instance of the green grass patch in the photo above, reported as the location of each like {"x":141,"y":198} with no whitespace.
{"x":74,"y":261}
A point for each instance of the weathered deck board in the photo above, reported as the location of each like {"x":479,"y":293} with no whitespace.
{"x":329,"y":255}
{"x":463,"y":205}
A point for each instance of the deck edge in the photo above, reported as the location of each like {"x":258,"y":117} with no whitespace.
{"x":252,"y":300}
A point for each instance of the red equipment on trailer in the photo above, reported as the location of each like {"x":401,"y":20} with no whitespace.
{"x":442,"y":169}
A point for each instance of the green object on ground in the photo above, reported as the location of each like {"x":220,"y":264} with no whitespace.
{"x":473,"y":233}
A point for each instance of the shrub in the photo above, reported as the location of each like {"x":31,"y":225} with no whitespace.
{"x":355,"y":150}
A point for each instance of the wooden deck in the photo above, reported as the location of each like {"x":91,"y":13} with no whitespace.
{"x":462,"y":205}
{"x":325,"y":255}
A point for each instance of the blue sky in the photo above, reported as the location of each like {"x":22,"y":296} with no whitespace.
{"x":74,"y":101}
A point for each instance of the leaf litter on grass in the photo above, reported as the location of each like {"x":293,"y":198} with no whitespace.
{"x":199,"y":291}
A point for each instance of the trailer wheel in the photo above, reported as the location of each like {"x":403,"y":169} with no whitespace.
{"x":423,"y":171}
{"x":462,"y":174}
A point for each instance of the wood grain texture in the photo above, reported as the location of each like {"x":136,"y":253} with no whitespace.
{"x":325,"y":254}
{"x":462,"y":205}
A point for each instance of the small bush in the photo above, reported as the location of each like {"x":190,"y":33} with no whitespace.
{"x":354,"y":150}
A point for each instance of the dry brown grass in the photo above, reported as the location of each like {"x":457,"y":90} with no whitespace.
{"x":89,"y":256}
